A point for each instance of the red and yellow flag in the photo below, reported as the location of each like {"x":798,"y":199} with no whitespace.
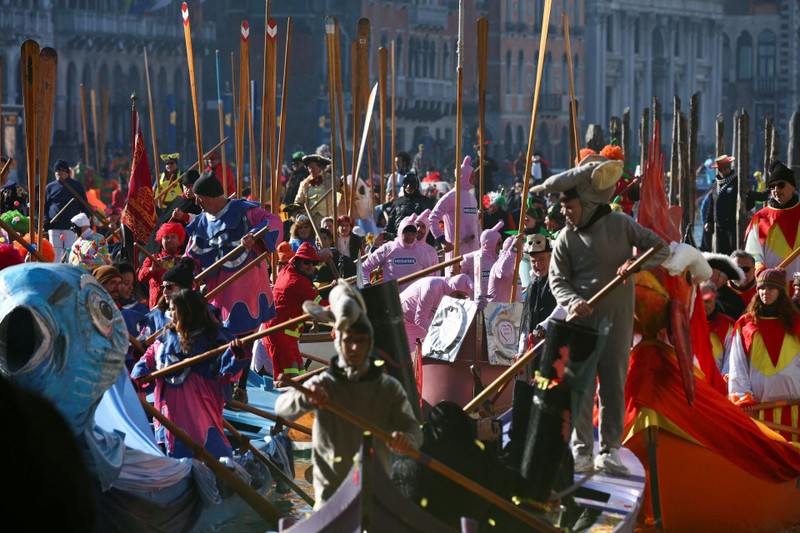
{"x":140,"y":212}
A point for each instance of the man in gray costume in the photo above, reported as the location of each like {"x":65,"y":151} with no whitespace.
{"x":596,"y":245}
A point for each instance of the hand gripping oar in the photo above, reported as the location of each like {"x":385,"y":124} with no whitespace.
{"x":227,"y":257}
{"x":269,"y":416}
{"x":505,"y":505}
{"x":275,"y":469}
{"x":261,"y":505}
{"x":514,"y":369}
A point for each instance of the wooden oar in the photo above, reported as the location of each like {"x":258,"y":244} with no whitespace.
{"x":25,"y":244}
{"x":261,"y":505}
{"x":316,"y":359}
{"x":227,"y":257}
{"x":275,"y":469}
{"x":792,"y":256}
{"x":329,"y":261}
{"x":48,"y":64}
{"x":433,"y":464}
{"x":153,"y":138}
{"x":62,"y":210}
{"x":29,"y":67}
{"x":269,"y":416}
{"x":780,"y":427}
{"x":514,"y":369}
{"x":187,"y":37}
{"x":772,"y":405}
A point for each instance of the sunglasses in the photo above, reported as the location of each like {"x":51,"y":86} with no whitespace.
{"x":746,"y":269}
{"x":168,"y":286}
{"x":777,"y":185}
{"x":172,"y":162}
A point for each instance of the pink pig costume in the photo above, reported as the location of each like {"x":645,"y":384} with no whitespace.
{"x":421,"y":299}
{"x":398,"y":258}
{"x":487,"y":255}
{"x":444,"y":211}
{"x":501,"y":274}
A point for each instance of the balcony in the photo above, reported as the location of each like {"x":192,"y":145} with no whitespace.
{"x":433,"y":17}
{"x":25,"y":21}
{"x":94,"y":23}
{"x":430,"y":90}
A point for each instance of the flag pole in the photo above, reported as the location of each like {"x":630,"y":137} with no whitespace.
{"x":459,"y":103}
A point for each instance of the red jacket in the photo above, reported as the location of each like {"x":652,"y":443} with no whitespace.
{"x":291,"y":289}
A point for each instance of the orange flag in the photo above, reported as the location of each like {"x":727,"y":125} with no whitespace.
{"x":140,"y":212}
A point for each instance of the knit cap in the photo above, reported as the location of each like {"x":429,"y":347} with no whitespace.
{"x":772,"y":277}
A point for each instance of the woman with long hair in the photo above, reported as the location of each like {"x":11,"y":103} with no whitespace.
{"x":192,"y":398}
{"x":764,"y":363}
{"x":300,"y":232}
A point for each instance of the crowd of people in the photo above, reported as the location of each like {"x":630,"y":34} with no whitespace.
{"x":579,"y":232}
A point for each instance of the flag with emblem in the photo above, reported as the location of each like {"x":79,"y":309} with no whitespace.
{"x":140,"y":212}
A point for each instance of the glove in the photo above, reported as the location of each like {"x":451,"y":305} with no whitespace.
{"x":743,"y":401}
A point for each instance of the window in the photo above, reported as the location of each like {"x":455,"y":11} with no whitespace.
{"x":744,"y":57}
{"x":766,"y":54}
{"x":520,"y":73}
{"x":508,"y":71}
{"x":726,"y":58}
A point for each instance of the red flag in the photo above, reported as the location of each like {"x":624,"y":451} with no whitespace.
{"x":140,"y":212}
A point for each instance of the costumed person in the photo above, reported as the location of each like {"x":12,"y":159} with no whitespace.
{"x":293,"y":286}
{"x":772,"y":234}
{"x":192,"y":398}
{"x":596,"y":246}
{"x":398,"y":258}
{"x":180,"y":276}
{"x":494,"y":204}
{"x":424,"y":236}
{"x":626,"y":192}
{"x":361,"y":211}
{"x":110,"y":278}
{"x":444,"y":211}
{"x":171,"y":235}
{"x":354,"y":381}
{"x":90,"y":250}
{"x":9,"y":256}
{"x":735,"y":280}
{"x":478,"y":264}
{"x":402,"y":168}
{"x":21,"y":224}
{"x":720,"y":327}
{"x":285,"y":254}
{"x":168,"y":186}
{"x":223,"y":225}
{"x":539,"y":300}
{"x":765,"y":351}
{"x":300,"y":232}
{"x":182,"y":209}
{"x":348,"y":243}
{"x":13,"y":197}
{"x":345,"y":267}
{"x":421,"y":299}
{"x":315,"y":191}
{"x":411,"y":202}
{"x":56,"y":197}
{"x":298,"y":174}
{"x":214,"y":164}
{"x":501,"y":275}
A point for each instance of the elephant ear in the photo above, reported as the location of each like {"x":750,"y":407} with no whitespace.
{"x":606,"y":174}
{"x":319,"y":313}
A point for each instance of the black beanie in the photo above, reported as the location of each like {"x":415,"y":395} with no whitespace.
{"x":182,"y":273}
{"x":780,"y":172}
{"x":190,"y":177}
{"x":208,"y":185}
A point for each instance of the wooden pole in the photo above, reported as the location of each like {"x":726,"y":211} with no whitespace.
{"x":383,"y":70}
{"x":30,"y":90}
{"x":48,"y":64}
{"x":505,"y":505}
{"x":459,"y":106}
{"x":152,"y":114}
{"x":644,"y":133}
{"x":276,"y":183}
{"x":268,"y":112}
{"x":337,"y":64}
{"x":330,"y":47}
{"x":261,"y":505}
{"x":572,"y":101}
{"x":392,"y":126}
{"x":625,"y":140}
{"x":93,"y":103}
{"x":743,"y":161}
{"x":793,"y":147}
{"x":364,"y":143}
{"x":269,"y":416}
{"x":514,"y":369}
{"x":227,"y":257}
{"x":483,"y":49}
{"x":187,"y":36}
{"x":255,"y":182}
{"x":674,"y":178}
{"x":85,"y":128}
{"x":531,"y":136}
{"x":221,"y":116}
{"x":20,"y":239}
{"x":244,"y":99}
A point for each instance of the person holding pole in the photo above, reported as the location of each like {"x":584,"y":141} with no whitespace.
{"x":223,"y":225}
{"x":596,"y":246}
{"x":354,"y":381}
{"x":314,"y":191}
{"x":169,"y":180}
{"x":445,"y":212}
{"x":57,"y":196}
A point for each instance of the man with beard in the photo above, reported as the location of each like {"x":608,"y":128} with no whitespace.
{"x":412,"y":202}
{"x":293,"y":286}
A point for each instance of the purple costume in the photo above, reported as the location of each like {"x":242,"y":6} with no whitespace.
{"x":501,"y":274}
{"x":421,"y":299}
{"x":398,"y":258}
{"x":248,"y":303}
{"x":469,"y":224}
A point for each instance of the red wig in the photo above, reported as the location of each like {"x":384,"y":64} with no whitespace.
{"x":171,"y":227}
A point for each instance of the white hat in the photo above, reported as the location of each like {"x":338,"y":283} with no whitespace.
{"x":81,"y":220}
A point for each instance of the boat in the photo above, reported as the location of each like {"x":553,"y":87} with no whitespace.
{"x":73,"y":355}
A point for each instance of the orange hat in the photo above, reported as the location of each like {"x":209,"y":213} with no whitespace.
{"x":613,"y":151}
{"x":285,"y":252}
{"x":307,"y":252}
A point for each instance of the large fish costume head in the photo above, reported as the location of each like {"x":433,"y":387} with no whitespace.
{"x":61,"y":335}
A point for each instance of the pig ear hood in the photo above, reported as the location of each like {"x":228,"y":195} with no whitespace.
{"x":466,"y":173}
{"x":490,"y":237}
{"x":460,"y":282}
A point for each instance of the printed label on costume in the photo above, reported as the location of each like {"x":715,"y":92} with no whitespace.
{"x":469,"y":210}
{"x":485,"y":273}
{"x":405,"y":261}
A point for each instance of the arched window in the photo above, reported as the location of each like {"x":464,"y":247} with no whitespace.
{"x":726,"y":58}
{"x":547,"y":74}
{"x":445,"y":62}
{"x":508,"y":71}
{"x":766,"y":54}
{"x":744,"y":57}
{"x":520,"y":73}
{"x":609,"y":33}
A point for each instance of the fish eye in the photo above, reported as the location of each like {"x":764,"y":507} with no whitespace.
{"x":100,"y":311}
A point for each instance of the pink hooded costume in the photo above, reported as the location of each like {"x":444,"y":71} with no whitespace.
{"x":423,"y":226}
{"x":421,"y":299}
{"x":469,"y":225}
{"x":501,"y":274}
{"x":486,"y":256}
{"x":398,"y":258}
